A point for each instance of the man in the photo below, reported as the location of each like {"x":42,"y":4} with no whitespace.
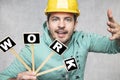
{"x":61,"y":24}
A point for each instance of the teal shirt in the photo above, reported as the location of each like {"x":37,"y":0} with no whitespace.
{"x":80,"y":44}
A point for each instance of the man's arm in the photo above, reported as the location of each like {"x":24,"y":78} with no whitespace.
{"x":16,"y":67}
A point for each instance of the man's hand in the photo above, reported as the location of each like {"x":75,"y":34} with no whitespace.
{"x":26,"y":76}
{"x":114,"y":27}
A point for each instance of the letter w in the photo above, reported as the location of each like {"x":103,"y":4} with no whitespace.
{"x":6,"y":44}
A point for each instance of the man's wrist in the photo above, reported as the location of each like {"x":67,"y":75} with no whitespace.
{"x":118,"y":42}
{"x":12,"y":79}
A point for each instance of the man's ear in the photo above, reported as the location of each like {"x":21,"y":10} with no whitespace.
{"x":47,"y":24}
{"x":75,"y":25}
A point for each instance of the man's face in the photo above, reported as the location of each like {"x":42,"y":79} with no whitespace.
{"x":61,"y":26}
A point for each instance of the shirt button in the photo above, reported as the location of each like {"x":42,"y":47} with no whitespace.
{"x":77,"y":77}
{"x":63,"y":75}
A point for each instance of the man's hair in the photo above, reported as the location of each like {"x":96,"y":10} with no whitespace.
{"x":48,"y":17}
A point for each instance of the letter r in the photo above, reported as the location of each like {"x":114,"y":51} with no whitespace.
{"x":57,"y":46}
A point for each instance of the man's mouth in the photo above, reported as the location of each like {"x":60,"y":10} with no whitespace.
{"x":61,"y":33}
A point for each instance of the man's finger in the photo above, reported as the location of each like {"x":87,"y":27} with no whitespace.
{"x":30,"y":73}
{"x":113,"y":37}
{"x":111,"y":25}
{"x":111,"y":30}
{"x":26,"y":77}
{"x":110,"y":17}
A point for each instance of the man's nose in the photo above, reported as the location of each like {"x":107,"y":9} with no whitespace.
{"x":61,"y":24}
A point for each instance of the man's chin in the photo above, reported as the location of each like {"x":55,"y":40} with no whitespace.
{"x":63,"y":41}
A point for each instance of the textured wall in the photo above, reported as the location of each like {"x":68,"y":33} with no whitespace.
{"x":19,"y":16}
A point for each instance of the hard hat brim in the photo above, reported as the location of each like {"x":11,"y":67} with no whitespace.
{"x":60,"y":10}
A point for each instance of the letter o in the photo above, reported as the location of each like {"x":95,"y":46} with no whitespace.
{"x":31,"y":36}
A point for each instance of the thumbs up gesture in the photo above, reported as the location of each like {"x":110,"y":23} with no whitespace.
{"x":114,"y":27}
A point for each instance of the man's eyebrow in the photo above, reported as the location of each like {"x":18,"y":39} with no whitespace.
{"x":54,"y":17}
{"x":69,"y":17}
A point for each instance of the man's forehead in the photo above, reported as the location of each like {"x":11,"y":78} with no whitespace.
{"x":61,"y":14}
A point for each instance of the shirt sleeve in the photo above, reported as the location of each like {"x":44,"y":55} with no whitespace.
{"x":16,"y":66}
{"x":103,"y":44}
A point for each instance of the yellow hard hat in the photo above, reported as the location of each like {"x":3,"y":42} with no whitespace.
{"x":70,"y":6}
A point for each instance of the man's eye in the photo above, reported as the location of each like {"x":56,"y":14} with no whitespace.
{"x":55,"y":19}
{"x":68,"y":19}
